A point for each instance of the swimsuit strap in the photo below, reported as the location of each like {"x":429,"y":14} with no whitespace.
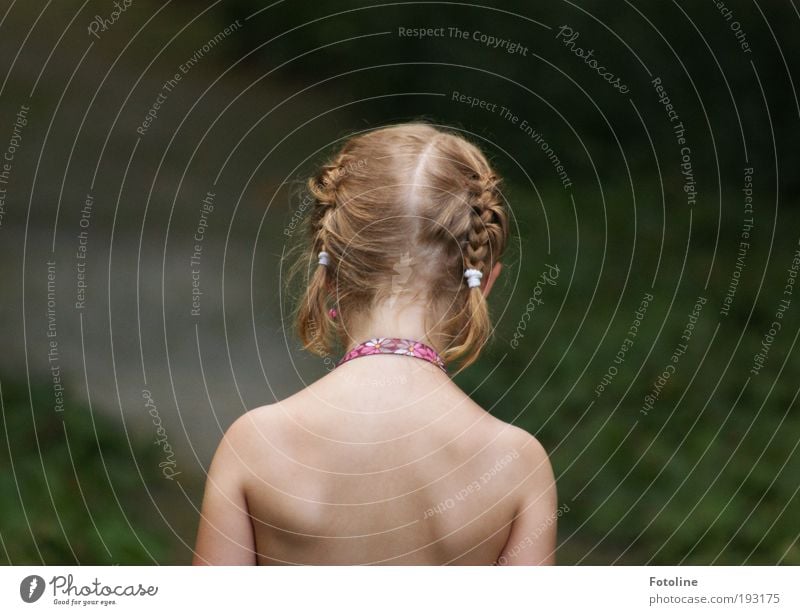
{"x":394,"y":345}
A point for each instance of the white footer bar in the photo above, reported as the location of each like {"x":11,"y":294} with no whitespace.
{"x":400,"y":590}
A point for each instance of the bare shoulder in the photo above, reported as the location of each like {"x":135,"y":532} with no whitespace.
{"x":513,"y":438}
{"x":533,"y":472}
{"x":248,"y":434}
{"x":532,"y":539}
{"x":528,"y":446}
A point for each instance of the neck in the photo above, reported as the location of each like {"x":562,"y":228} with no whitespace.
{"x":393,"y":319}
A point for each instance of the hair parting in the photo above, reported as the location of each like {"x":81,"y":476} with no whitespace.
{"x":390,"y":192}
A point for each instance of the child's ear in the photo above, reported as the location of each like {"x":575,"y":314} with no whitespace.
{"x":493,"y":275}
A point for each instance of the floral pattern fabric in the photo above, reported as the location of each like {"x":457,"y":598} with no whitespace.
{"x":394,"y":345}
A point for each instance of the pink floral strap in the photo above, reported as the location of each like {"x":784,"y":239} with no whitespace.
{"x":394,"y":345}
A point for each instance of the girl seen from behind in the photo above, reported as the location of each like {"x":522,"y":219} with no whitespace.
{"x":385,"y":460}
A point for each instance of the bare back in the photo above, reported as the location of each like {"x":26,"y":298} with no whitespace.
{"x":386,"y":461}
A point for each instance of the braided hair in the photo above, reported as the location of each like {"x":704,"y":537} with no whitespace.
{"x":410,"y":188}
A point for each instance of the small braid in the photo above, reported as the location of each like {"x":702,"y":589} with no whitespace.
{"x":488,"y":223}
{"x":397,"y":189}
{"x":324,"y":188}
{"x":314,"y":323}
{"x":486,"y":235}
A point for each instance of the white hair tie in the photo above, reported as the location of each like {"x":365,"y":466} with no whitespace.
{"x":324,"y":259}
{"x":473,"y":277}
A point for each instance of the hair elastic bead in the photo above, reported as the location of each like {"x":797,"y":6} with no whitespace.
{"x":473,"y":277}
{"x":324,"y":259}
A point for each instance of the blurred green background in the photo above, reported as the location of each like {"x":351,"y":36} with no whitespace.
{"x":709,"y":474}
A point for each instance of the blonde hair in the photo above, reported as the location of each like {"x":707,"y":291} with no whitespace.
{"x":409,"y":192}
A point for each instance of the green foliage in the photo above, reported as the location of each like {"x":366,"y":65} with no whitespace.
{"x":710,"y":473}
{"x":70,"y":489}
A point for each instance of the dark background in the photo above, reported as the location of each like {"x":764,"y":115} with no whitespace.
{"x":709,"y":474}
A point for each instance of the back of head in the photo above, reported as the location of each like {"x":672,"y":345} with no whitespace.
{"x":411,"y":203}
